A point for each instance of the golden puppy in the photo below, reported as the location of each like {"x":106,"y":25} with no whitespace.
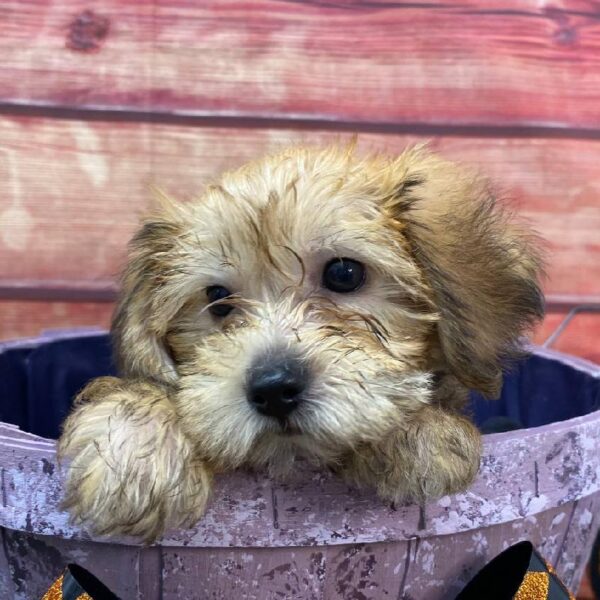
{"x":311,"y":304}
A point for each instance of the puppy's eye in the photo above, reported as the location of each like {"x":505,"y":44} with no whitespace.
{"x":218,"y":292}
{"x":343,"y":275}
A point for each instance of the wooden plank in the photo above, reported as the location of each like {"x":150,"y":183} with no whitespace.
{"x":75,"y":190}
{"x":27,"y":319}
{"x":580,"y":337}
{"x":522,"y":62}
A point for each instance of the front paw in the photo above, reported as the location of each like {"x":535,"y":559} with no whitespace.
{"x":447,"y":450}
{"x":437,"y":453}
{"x":132,"y":471}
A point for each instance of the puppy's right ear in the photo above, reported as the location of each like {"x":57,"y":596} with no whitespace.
{"x":148,"y":298}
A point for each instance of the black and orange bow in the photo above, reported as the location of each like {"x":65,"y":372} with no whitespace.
{"x":78,"y":584}
{"x":518,"y":573}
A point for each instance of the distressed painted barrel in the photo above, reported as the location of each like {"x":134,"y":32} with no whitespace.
{"x":312,"y":537}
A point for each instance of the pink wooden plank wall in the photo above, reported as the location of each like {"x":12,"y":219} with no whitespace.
{"x":99,"y":101}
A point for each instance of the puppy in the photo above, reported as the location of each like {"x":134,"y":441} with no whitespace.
{"x":315,"y":305}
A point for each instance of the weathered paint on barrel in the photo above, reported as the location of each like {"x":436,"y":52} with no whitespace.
{"x":315,"y":537}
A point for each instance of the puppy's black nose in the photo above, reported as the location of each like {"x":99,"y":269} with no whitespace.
{"x":274,"y":386}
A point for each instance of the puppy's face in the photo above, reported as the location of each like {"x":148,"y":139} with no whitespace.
{"x":302,"y":304}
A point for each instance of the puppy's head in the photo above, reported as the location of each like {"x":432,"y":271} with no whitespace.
{"x":303,"y":303}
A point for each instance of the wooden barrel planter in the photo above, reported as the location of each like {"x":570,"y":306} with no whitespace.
{"x":313,"y":537}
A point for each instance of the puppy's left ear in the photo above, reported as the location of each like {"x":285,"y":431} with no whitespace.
{"x":482,"y":269}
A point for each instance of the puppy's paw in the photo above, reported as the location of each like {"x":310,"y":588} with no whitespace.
{"x":447,"y":453}
{"x":438,"y":453}
{"x":132,"y":470}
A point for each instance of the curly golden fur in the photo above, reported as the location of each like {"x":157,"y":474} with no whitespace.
{"x":451,"y":285}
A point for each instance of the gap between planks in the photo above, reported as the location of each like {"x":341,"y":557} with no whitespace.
{"x":106,"y":292}
{"x":246,"y":120}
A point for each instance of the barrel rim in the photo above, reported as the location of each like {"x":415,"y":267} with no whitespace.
{"x":29,"y":463}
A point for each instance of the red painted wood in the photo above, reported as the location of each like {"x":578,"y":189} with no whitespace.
{"x":27,"y":319}
{"x":74,"y":191}
{"x":521,"y":62}
{"x":580,"y":337}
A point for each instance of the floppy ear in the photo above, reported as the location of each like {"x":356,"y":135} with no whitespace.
{"x":482,"y":269}
{"x":149,"y":299}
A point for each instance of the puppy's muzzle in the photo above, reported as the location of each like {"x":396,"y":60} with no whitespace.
{"x":275,"y":385}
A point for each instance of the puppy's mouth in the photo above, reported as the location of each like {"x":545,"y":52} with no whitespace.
{"x":287,"y":428}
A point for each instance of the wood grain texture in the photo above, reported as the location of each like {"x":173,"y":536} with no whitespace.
{"x":521,"y":63}
{"x":28,"y":319}
{"x":76,"y":190}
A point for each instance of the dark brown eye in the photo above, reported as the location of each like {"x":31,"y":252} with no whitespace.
{"x":215,"y":293}
{"x":343,"y":275}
